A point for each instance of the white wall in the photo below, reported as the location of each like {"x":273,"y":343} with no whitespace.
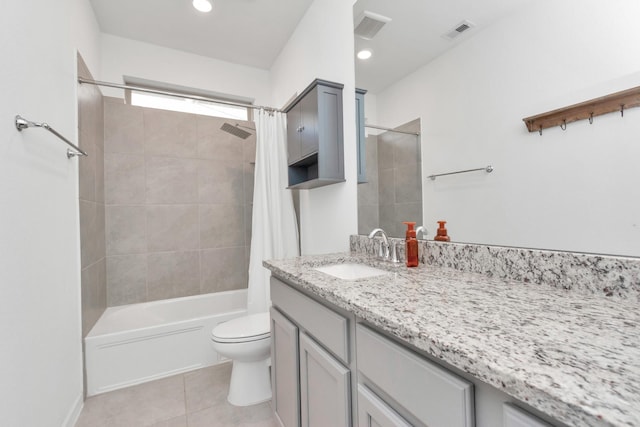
{"x":41,"y":356}
{"x":128,"y":57}
{"x":322,"y":47}
{"x":575,"y":189}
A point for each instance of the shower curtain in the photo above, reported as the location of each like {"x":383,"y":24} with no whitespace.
{"x":274,"y":228}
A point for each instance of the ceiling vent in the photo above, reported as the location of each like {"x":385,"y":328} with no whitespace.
{"x":368,"y":24}
{"x":459,"y":29}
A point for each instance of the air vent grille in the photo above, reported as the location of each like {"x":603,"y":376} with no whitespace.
{"x":369,"y":24}
{"x":459,"y":29}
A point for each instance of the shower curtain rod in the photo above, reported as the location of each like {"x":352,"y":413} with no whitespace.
{"x":176,"y":94}
{"x":392,"y":130}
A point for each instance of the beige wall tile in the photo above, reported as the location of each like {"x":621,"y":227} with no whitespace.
{"x":249,"y":177}
{"x":223,"y":269}
{"x":125,"y":179}
{"x":87,"y":168}
{"x":89,"y":239}
{"x":387,"y":186}
{"x":167,"y":133}
{"x":126,"y":279}
{"x":126,"y":229}
{"x":123,"y":128}
{"x":171,"y":180}
{"x":368,"y":218}
{"x":216,"y":144}
{"x":173,"y":274}
{"x":101,"y":231}
{"x":99,"y":175}
{"x":220,"y":182}
{"x":408,"y":183}
{"x":172,"y":227}
{"x":221,"y":226}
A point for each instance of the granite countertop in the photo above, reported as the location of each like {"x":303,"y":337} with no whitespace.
{"x":573,"y":356}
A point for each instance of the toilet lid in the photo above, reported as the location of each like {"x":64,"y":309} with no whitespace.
{"x":246,"y":328}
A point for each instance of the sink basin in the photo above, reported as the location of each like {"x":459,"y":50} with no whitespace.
{"x":351,"y":271}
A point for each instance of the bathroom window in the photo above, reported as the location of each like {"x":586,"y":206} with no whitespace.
{"x":185,"y":105}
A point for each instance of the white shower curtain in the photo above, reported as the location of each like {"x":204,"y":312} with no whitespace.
{"x":274,"y":228}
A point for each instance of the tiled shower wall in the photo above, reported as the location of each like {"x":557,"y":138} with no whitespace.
{"x":178,"y":195}
{"x":395,"y":182}
{"x":91,"y":195}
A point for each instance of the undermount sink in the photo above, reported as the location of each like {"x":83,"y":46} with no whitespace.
{"x":351,"y":271}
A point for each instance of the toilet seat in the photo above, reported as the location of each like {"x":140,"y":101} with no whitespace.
{"x":243,"y":329}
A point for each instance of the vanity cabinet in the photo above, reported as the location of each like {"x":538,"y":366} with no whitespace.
{"x":310,"y":361}
{"x":315,"y":136}
{"x":410,"y":386}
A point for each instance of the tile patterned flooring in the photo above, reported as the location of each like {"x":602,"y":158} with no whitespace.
{"x":193,"y":399}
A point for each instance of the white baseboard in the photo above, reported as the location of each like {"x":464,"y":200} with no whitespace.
{"x":74,"y":413}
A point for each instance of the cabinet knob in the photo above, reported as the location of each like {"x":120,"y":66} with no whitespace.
{"x":300,"y":128}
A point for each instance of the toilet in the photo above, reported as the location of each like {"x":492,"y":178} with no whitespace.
{"x":247,"y":341}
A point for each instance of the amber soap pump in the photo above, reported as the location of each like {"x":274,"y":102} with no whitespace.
{"x":441,"y":234}
{"x":411,"y":245}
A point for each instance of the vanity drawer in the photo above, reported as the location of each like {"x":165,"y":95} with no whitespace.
{"x":435,"y":396}
{"x":327,"y":326}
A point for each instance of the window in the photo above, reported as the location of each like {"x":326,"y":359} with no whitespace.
{"x":186,"y":105}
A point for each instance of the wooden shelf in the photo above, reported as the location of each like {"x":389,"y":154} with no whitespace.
{"x":618,"y":101}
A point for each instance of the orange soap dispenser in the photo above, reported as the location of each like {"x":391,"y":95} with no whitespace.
{"x":411,"y":248}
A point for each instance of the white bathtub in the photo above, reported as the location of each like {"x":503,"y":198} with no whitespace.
{"x":135,"y":343}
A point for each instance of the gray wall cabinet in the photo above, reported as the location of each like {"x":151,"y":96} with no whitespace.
{"x":315,"y":137}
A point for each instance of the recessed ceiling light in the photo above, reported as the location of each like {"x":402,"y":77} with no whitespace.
{"x":202,"y":5}
{"x":364,"y":54}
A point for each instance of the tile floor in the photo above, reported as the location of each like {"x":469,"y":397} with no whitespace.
{"x":193,"y":399}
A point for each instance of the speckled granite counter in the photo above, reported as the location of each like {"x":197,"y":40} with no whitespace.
{"x":571,"y":355}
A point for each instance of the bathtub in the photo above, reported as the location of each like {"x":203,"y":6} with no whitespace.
{"x":135,"y":343}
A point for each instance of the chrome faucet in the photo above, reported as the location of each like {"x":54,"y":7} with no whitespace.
{"x":383,"y":250}
{"x":422,"y":230}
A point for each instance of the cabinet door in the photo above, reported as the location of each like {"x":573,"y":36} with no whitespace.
{"x":309,"y":123}
{"x":373,"y":412}
{"x":324,"y":387}
{"x":284,"y":370}
{"x":294,"y":122}
{"x":516,"y":417}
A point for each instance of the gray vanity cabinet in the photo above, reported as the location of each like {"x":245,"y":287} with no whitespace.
{"x":284,"y":370}
{"x":324,"y":387}
{"x":310,"y":361}
{"x":315,"y":146}
{"x":374,"y":412}
{"x":516,"y":417}
{"x":419,"y":390}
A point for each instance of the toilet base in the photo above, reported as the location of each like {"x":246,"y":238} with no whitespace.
{"x":250,"y":383}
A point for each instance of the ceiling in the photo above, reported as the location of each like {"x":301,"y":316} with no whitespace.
{"x":248,"y":32}
{"x":253,"y":32}
{"x":414,"y":36}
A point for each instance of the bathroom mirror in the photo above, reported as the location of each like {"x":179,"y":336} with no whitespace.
{"x":467,"y":73}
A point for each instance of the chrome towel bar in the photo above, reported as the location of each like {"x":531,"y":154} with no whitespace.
{"x":487,"y":169}
{"x":22,"y":123}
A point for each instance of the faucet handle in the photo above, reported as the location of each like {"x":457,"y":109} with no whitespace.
{"x":394,"y":252}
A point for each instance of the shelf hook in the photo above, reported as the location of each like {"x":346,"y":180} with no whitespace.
{"x":621,"y":110}
{"x":540,"y":130}
{"x":591,"y":118}
{"x":563,"y":125}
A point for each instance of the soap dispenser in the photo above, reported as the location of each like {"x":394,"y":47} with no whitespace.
{"x":411,"y":249}
{"x":441,"y":234}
